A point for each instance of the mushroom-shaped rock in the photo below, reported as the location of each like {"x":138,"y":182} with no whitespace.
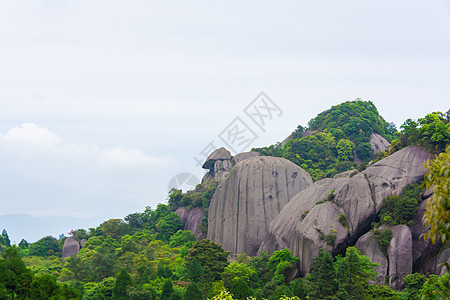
{"x":222,"y":167}
{"x":71,"y":247}
{"x":378,"y":143}
{"x":249,"y":198}
{"x":390,"y":175}
{"x":369,"y":246}
{"x":400,"y":256}
{"x":218,"y":154}
{"x":191,"y":220}
{"x":219,"y":171}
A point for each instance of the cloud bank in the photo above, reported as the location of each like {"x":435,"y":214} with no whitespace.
{"x":102,"y":179}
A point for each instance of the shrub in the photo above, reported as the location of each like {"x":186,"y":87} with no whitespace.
{"x":330,"y":239}
{"x":400,"y":210}
{"x":303,"y":216}
{"x":343,"y":220}
{"x":383,"y":237}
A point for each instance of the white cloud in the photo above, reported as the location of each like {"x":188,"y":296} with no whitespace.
{"x":59,"y":176}
{"x":30,"y":134}
{"x":41,"y":142}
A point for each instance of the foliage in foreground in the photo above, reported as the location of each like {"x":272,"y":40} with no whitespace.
{"x":437,"y":215}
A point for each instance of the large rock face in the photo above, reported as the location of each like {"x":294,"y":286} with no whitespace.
{"x":400,"y":256}
{"x":422,"y":249}
{"x":357,"y":197}
{"x":390,"y":175}
{"x":443,"y":257}
{"x":249,"y":198}
{"x":71,"y":247}
{"x":191,"y":220}
{"x":378,"y":143}
{"x":369,"y":246}
{"x":295,"y":213}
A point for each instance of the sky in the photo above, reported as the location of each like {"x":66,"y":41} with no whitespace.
{"x":103,"y":103}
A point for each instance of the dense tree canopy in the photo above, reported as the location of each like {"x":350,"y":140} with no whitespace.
{"x":334,"y":140}
{"x":432,"y":131}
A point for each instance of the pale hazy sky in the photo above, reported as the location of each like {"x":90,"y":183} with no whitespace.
{"x":103,"y":102}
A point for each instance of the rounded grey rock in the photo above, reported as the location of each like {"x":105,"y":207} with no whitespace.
{"x":249,"y":199}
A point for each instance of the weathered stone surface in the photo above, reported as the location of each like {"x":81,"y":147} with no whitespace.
{"x":71,"y":247}
{"x":444,"y":257}
{"x":400,"y":256}
{"x":82,"y":242}
{"x":283,"y":226}
{"x":310,"y":236}
{"x":355,"y":197}
{"x":249,"y":198}
{"x":346,"y":174}
{"x":429,"y":264}
{"x":369,"y":246}
{"x":220,"y":168}
{"x":299,"y":233}
{"x":378,"y":143}
{"x":421,"y":248}
{"x":218,"y":154}
{"x":191,"y":220}
{"x":207,"y":177}
{"x":243,"y":156}
{"x":390,"y":175}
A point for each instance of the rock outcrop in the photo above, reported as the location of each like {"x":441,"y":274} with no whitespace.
{"x":191,"y":220}
{"x":251,"y":196}
{"x":346,"y":174}
{"x":400,"y":256}
{"x":293,"y":215}
{"x":390,"y":175}
{"x":408,"y":252}
{"x":218,"y":154}
{"x":71,"y":247}
{"x":355,"y":199}
{"x":443,"y":257}
{"x":243,"y":156}
{"x":422,"y":249}
{"x":432,"y":264}
{"x":220,"y":162}
{"x":378,"y":143}
{"x":369,"y":246}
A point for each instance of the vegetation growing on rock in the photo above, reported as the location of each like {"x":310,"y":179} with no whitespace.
{"x":334,"y":137}
{"x":148,"y":255}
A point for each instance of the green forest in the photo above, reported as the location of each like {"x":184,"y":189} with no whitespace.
{"x":148,"y":255}
{"x":337,"y":140}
